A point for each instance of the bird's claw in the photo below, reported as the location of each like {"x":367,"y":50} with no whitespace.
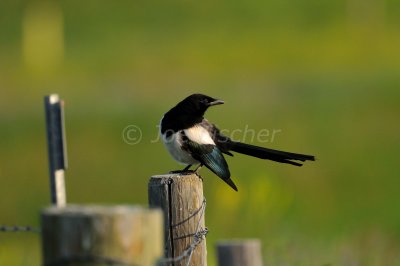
{"x":181,"y":172}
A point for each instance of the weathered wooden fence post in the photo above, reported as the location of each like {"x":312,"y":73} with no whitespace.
{"x":98,"y":235}
{"x":239,"y":253}
{"x":180,"y":196}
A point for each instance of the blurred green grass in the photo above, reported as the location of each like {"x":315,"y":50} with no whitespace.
{"x":327,"y":74}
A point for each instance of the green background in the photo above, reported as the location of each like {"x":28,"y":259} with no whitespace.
{"x":324,"y":74}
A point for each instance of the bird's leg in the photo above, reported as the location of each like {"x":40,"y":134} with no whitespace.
{"x":184,"y":170}
{"x":197,"y":170}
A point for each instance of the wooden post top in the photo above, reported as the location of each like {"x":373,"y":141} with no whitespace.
{"x":170,"y":177}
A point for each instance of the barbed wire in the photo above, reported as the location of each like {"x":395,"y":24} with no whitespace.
{"x":198,"y":237}
{"x":203,"y":206}
{"x":18,"y":228}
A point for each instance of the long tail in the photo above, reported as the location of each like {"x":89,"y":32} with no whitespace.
{"x":270,"y":154}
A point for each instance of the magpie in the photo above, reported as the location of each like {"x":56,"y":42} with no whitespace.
{"x":192,"y":140}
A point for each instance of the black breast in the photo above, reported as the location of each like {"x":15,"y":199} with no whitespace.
{"x":173,"y":123}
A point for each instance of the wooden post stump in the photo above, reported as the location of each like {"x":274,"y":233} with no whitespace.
{"x":98,"y":235}
{"x":239,"y":253}
{"x":180,"y":196}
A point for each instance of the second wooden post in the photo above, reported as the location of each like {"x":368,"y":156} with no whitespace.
{"x":180,"y":196}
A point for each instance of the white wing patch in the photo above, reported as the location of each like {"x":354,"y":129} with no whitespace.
{"x":199,"y":134}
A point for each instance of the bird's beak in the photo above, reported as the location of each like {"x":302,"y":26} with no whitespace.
{"x":216,"y":102}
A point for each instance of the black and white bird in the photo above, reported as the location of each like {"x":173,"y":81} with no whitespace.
{"x":192,"y":140}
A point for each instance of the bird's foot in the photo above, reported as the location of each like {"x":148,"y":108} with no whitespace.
{"x":188,"y":172}
{"x":181,"y":172}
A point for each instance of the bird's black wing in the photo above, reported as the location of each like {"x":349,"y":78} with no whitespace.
{"x":210,"y":156}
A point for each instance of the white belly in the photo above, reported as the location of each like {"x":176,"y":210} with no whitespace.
{"x":173,"y":145}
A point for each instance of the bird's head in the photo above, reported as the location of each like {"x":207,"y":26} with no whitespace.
{"x":197,"y":104}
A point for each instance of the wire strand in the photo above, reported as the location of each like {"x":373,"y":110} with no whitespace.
{"x":18,"y":228}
